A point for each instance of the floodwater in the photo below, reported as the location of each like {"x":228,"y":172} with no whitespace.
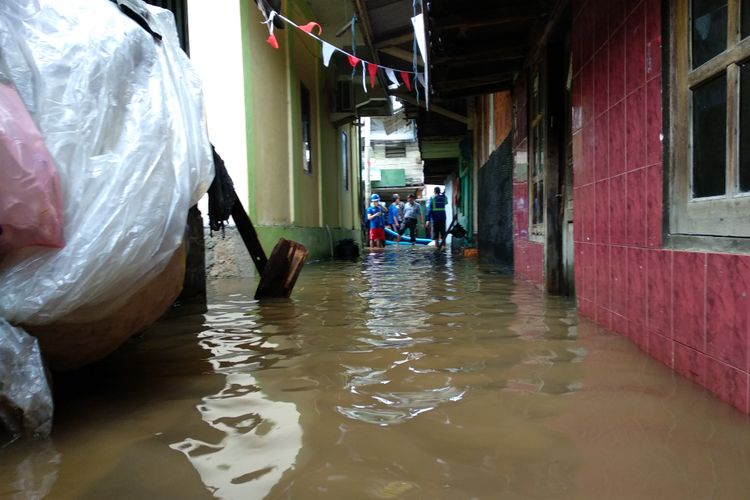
{"x":409,"y":374}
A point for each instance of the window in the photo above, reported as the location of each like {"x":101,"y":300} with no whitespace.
{"x":395,"y":151}
{"x":307,"y":153}
{"x":710,"y":181}
{"x":345,"y":159}
{"x":537,"y":141}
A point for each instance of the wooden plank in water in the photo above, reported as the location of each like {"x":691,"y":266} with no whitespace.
{"x":282,"y":270}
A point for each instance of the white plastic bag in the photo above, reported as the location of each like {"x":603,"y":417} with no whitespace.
{"x":122,"y":116}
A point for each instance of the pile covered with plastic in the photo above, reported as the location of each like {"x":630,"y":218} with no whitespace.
{"x":115,"y":135}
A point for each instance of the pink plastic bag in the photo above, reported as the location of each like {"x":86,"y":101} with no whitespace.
{"x":30,"y":201}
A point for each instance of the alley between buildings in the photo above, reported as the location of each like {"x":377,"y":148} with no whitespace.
{"x":406,"y":374}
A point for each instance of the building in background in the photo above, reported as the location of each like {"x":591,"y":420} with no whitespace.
{"x":392,"y":161}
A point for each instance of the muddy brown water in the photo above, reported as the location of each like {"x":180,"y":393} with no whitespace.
{"x":405,"y":375}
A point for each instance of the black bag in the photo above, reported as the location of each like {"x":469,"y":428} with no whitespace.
{"x":220,"y":195}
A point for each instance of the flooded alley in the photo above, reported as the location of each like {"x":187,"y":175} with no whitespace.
{"x":407,"y":374}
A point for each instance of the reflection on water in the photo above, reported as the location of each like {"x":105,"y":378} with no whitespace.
{"x":34,"y":475}
{"x":242,"y":464}
{"x":406,"y":375}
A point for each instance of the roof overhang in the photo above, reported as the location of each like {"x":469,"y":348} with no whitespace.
{"x":478,"y":47}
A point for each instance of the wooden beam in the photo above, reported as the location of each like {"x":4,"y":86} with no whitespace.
{"x":488,"y":20}
{"x":395,"y":39}
{"x":473,"y":81}
{"x":503,"y":53}
{"x":435,"y":109}
{"x":402,"y":54}
{"x":344,"y":29}
{"x":474,"y":91}
{"x":366,"y":25}
{"x":476,"y":71}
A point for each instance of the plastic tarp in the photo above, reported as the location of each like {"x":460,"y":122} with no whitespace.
{"x":25,"y":396}
{"x":122,"y":116}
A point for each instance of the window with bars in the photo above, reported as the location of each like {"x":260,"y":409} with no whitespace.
{"x":395,"y":150}
{"x":710,"y":120}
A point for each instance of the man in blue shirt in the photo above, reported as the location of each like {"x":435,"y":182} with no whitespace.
{"x":376,"y":216}
{"x":436,"y":216}
{"x":394,"y":214}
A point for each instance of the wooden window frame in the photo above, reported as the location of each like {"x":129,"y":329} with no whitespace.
{"x":537,"y":125}
{"x":720,"y":222}
{"x":345,"y":158}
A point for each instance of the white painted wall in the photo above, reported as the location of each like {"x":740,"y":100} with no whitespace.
{"x":216,"y":53}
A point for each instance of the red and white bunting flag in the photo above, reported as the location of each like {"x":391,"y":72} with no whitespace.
{"x":407,"y":80}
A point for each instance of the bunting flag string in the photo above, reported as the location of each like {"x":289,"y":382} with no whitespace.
{"x":368,"y":68}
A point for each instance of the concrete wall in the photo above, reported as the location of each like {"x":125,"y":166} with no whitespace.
{"x":687,"y":309}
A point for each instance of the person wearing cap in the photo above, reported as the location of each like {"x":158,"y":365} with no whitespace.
{"x":376,"y":216}
{"x":412,"y":215}
{"x":394,"y":214}
{"x":436,"y":216}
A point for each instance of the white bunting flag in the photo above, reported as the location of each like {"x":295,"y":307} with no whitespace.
{"x":328,"y":51}
{"x":421,"y":37}
{"x":392,"y":76}
{"x":364,"y":78}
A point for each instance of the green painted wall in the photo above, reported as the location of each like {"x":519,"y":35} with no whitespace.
{"x":249,"y":123}
{"x":285,"y":200}
{"x":304,"y":64}
{"x":318,"y":241}
{"x":268,"y":124}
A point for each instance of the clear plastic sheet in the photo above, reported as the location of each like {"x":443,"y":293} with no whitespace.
{"x":122,"y":116}
{"x":25,"y":395}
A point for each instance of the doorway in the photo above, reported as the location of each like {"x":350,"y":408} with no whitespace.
{"x":559,"y":255}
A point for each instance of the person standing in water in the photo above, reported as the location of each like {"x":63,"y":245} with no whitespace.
{"x":375,"y":215}
{"x":412,"y":215}
{"x":394,"y":215}
{"x":436,"y":216}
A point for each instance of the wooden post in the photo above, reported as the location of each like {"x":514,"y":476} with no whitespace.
{"x":282,"y":271}
{"x":279,"y":273}
{"x":249,"y":236}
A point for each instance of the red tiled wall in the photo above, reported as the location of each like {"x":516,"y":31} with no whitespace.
{"x":528,"y":255}
{"x":689,"y":310}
